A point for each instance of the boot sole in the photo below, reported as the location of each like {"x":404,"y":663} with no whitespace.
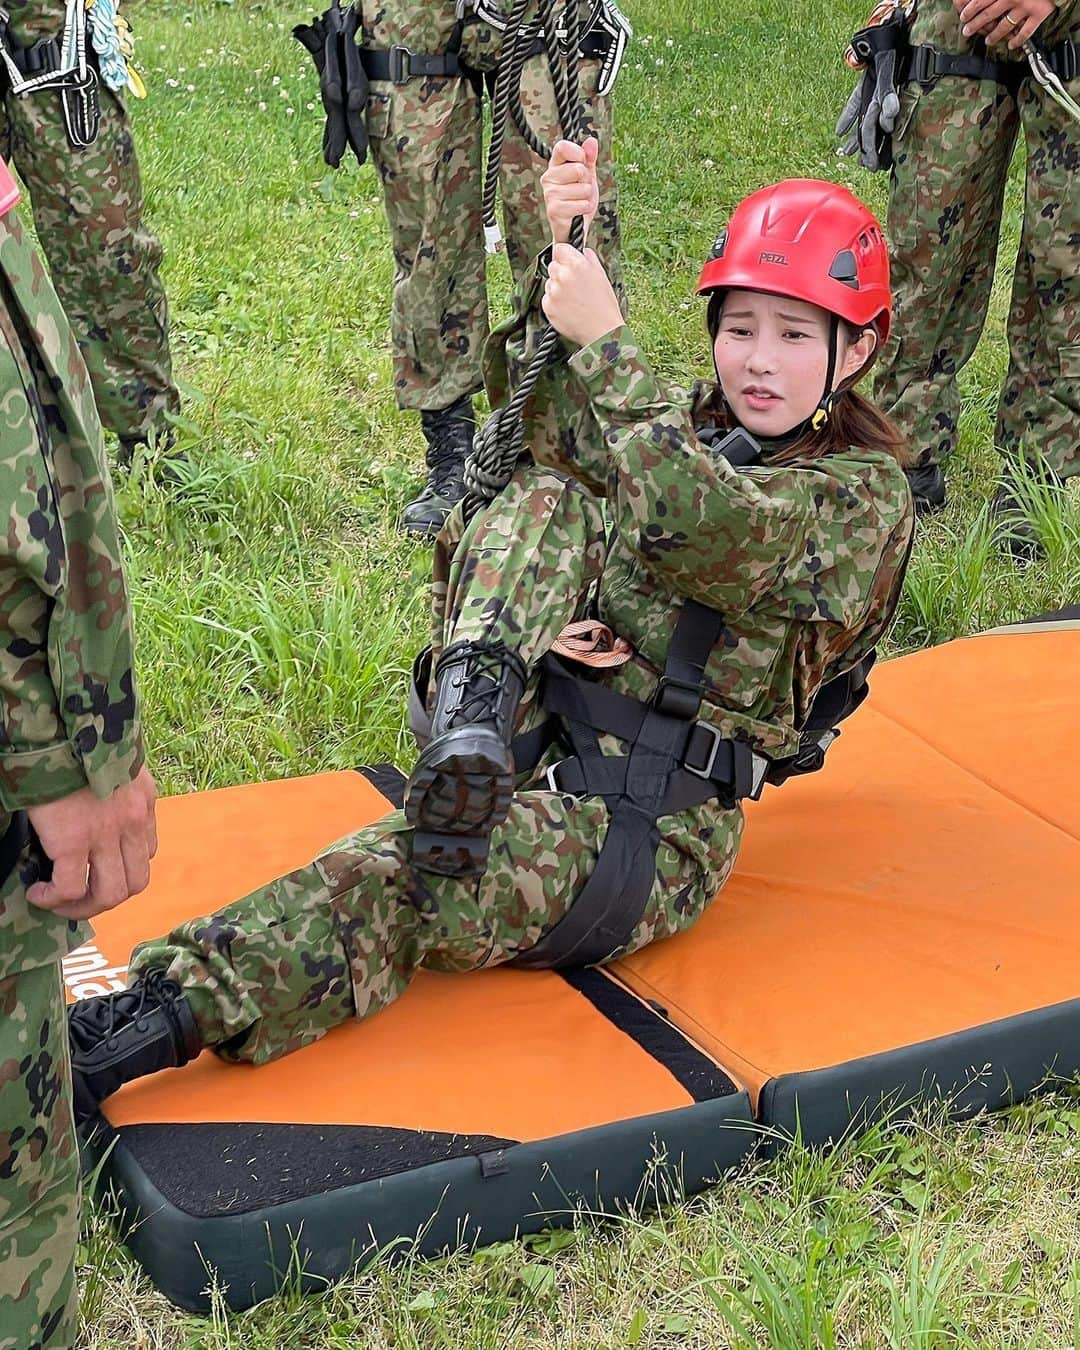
{"x":457,"y":794}
{"x":421,"y":531}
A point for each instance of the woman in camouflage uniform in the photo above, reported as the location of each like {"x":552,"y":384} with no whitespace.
{"x":792,"y":563}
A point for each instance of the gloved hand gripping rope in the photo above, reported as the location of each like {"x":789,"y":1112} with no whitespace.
{"x":498,"y":445}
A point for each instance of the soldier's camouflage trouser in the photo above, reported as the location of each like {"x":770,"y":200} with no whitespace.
{"x":953,"y":148}
{"x":39,"y":1165}
{"x":88,"y":208}
{"x":344,"y":936}
{"x":427,"y":143}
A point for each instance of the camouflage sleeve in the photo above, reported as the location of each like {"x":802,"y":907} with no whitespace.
{"x":66,"y":677}
{"x":560,"y":426}
{"x":804,"y":541}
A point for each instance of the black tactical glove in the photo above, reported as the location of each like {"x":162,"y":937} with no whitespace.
{"x":331,"y":40}
{"x":869,"y":117}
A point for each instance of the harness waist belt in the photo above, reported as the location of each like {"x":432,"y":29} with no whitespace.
{"x":399,"y":65}
{"x":929,"y":63}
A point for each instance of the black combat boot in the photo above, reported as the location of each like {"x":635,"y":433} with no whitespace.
{"x":117,"y":1037}
{"x":1014,"y":532}
{"x":927,"y":484}
{"x":449,"y":434}
{"x":167,"y":464}
{"x":461,"y":785}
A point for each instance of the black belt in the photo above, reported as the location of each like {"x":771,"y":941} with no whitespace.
{"x":926,"y":63}
{"x":399,"y":65}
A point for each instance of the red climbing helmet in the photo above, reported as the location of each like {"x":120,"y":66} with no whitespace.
{"x":810,"y":240}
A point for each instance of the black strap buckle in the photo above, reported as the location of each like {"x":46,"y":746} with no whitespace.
{"x":734,"y":763}
{"x":923,"y":66}
{"x":714,"y":741}
{"x":399,"y":58}
{"x":677,"y":698}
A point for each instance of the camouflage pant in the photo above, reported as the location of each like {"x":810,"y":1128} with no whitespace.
{"x":953,"y":151}
{"x":345,"y":935}
{"x":427,"y":143}
{"x":39,"y":1165}
{"x":104,"y":261}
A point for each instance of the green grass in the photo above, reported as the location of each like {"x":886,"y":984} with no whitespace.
{"x":279,"y":609}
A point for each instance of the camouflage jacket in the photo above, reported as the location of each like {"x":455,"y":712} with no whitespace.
{"x":805,"y":562}
{"x":69,"y":709}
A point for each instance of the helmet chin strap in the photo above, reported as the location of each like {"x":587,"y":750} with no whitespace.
{"x":820,"y":415}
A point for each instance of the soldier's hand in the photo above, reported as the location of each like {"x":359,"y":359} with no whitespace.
{"x":570,"y":186}
{"x":579,"y":300}
{"x":1010,"y":21}
{"x":100,"y":849}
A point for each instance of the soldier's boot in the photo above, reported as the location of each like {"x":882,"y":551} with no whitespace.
{"x":117,"y":1037}
{"x":463,"y":780}
{"x":159,"y":447}
{"x":927,"y":484}
{"x":449,"y":434}
{"x":1014,"y":533}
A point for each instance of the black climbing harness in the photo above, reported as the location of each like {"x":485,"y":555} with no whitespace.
{"x":673,"y":760}
{"x":62,"y":63}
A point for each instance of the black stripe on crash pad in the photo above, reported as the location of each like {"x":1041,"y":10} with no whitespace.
{"x":215,"y":1169}
{"x":703,"y":1079}
{"x":387,"y":779}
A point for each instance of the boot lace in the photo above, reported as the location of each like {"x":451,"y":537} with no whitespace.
{"x":479,"y":680}
{"x":101,"y":1018}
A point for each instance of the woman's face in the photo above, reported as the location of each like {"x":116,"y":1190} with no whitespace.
{"x":772,"y":354}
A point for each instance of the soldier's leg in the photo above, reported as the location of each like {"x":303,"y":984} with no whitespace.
{"x":344,"y":936}
{"x":952,"y":153}
{"x":39,"y":1165}
{"x":523,"y":200}
{"x":521,"y":572}
{"x":1039,"y":412}
{"x":425,"y":139}
{"x":88,"y":208}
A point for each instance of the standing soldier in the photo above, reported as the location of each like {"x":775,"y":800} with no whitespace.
{"x":954,"y":86}
{"x":76,"y":803}
{"x":69,"y":137}
{"x":424,"y":68}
